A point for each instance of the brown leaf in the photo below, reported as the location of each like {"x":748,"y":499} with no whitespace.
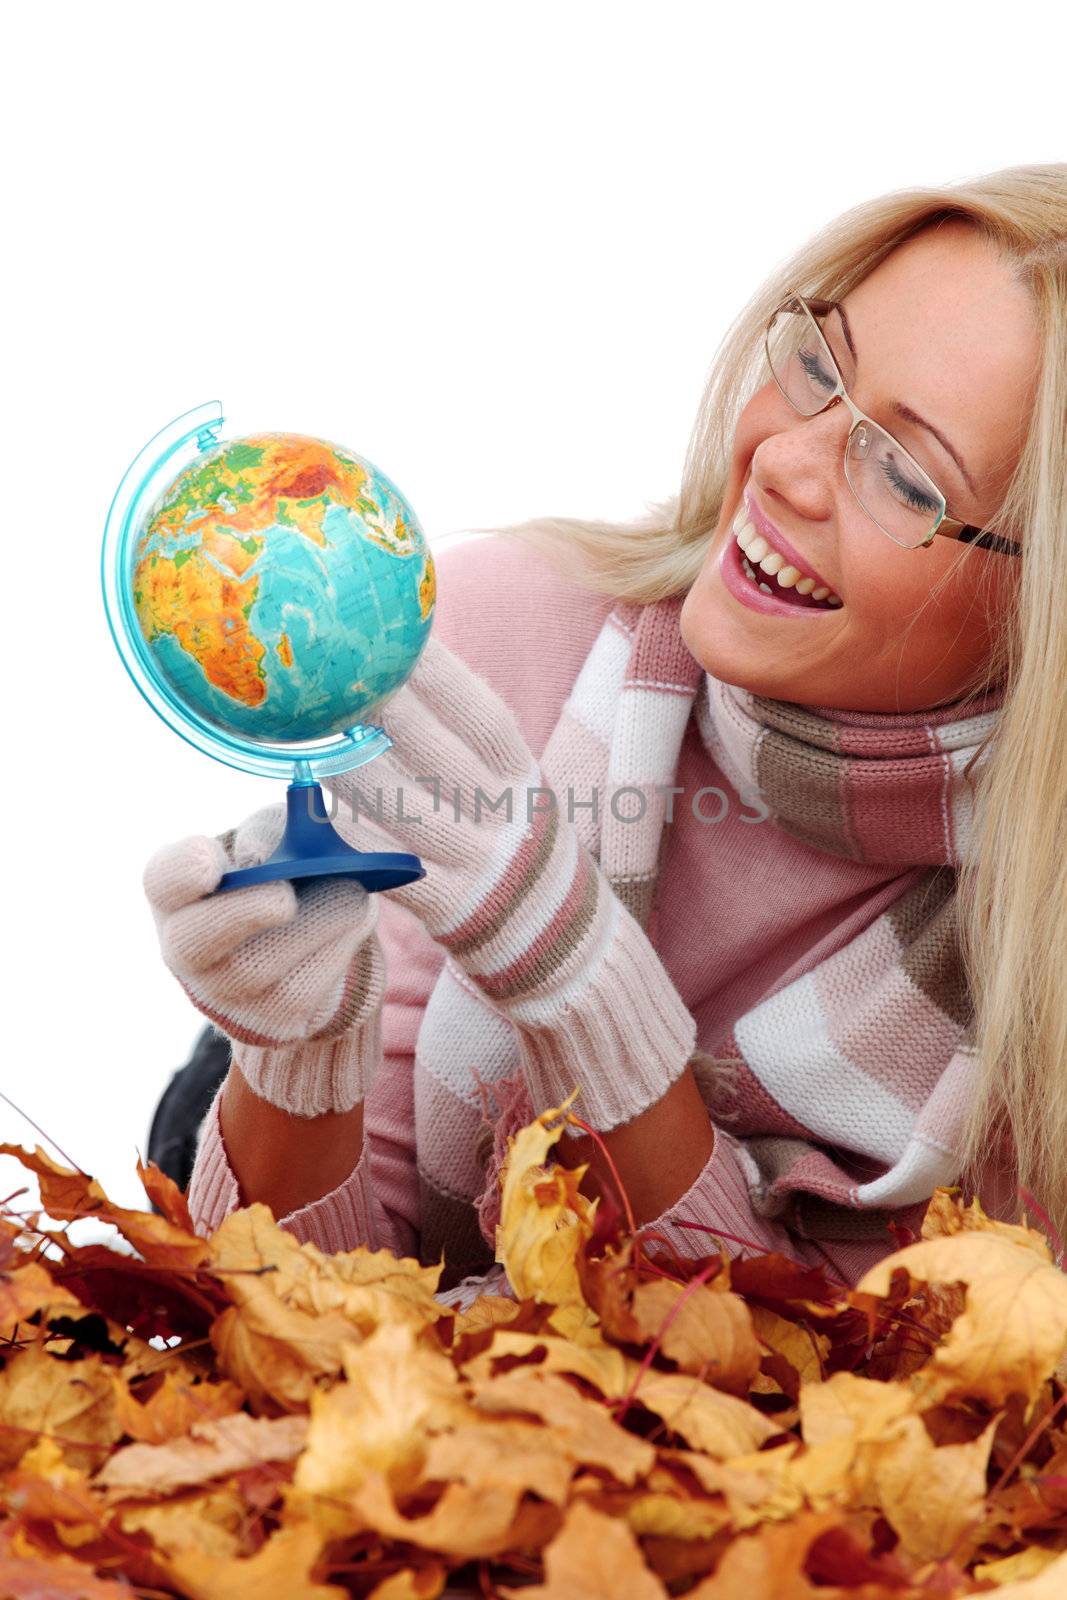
{"x":946,"y":1215}
{"x":67,"y":1194}
{"x":487,"y":1311}
{"x":72,"y":1400}
{"x":930,"y":1494}
{"x":594,"y":1557}
{"x":767,"y":1564}
{"x":26,"y":1575}
{"x":582,"y":1427}
{"x":209,"y":1523}
{"x":164,"y":1193}
{"x":174,"y":1406}
{"x":368,"y":1287}
{"x":1013,"y":1329}
{"x":281,"y":1567}
{"x":150,"y":1300}
{"x":25,"y":1290}
{"x":719,"y":1424}
{"x":465,"y":1523}
{"x":511,"y":1453}
{"x":701,"y":1330}
{"x":44,"y":1488}
{"x":802,"y":1349}
{"x":755,"y":1487}
{"x":213,"y":1450}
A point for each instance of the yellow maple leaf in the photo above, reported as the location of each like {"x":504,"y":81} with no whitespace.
{"x":544,"y":1220}
{"x":1012,"y":1331}
{"x":377,"y":1421}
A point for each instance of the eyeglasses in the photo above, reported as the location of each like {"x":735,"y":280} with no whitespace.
{"x":890,"y":485}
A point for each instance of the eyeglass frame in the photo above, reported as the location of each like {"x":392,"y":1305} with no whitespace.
{"x":964,"y":532}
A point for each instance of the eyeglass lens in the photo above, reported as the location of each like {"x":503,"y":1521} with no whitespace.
{"x":886,"y":479}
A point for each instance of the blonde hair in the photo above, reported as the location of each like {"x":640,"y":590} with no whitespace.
{"x":1012,"y":882}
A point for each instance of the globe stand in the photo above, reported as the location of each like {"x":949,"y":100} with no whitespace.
{"x":311,"y":847}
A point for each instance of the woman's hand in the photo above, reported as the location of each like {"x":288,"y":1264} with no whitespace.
{"x":292,"y":973}
{"x":513,"y":895}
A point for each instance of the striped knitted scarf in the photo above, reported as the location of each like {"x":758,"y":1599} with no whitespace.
{"x":846,"y":1086}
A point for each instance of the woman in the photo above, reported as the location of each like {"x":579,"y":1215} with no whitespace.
{"x":782,"y":888}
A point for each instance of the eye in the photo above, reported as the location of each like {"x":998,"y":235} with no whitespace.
{"x":817,"y":372}
{"x":913,"y":494}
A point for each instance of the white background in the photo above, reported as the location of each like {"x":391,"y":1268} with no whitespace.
{"x":490,"y":246}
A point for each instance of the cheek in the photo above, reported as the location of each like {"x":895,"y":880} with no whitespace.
{"x":765,"y":413}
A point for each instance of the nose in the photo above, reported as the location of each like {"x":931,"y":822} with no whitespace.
{"x":802,"y":465}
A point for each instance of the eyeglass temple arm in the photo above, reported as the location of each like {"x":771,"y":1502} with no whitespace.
{"x":968,"y":534}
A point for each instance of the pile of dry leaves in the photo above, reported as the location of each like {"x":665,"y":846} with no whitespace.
{"x":241,"y":1415}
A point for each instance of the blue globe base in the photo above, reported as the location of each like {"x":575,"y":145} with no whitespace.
{"x":311,"y":847}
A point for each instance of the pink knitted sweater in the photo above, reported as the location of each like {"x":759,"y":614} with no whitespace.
{"x":526,"y":630}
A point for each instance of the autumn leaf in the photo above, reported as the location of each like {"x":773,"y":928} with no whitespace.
{"x":767,"y":1564}
{"x":544,"y":1220}
{"x":376,"y":1422}
{"x":411,"y":1583}
{"x":930,"y":1494}
{"x":1047,"y":1585}
{"x":41,"y":1395}
{"x":282,"y":1566}
{"x":26,"y":1290}
{"x":67,"y":1194}
{"x":322,"y":1424}
{"x":213,"y":1450}
{"x":465,"y":1523}
{"x":25,"y":1576}
{"x":174,"y":1405}
{"x":1012,"y":1331}
{"x":946,"y":1215}
{"x":581,"y":1428}
{"x":701,"y":1330}
{"x":594,"y":1557}
{"x":367,"y":1287}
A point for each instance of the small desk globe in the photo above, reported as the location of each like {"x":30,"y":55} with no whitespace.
{"x":266,"y":593}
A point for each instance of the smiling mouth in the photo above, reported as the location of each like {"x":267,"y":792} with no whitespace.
{"x":767,"y":569}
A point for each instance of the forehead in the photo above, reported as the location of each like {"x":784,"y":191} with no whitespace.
{"x":942,"y":326}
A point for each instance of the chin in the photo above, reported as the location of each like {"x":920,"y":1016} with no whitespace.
{"x":710,"y":633}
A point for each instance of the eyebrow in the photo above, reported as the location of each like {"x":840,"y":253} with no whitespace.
{"x":907,"y":414}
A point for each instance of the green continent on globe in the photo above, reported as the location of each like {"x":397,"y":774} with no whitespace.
{"x":283,"y":587}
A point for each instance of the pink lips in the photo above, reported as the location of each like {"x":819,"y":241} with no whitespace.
{"x":764,"y":525}
{"x":753,"y":598}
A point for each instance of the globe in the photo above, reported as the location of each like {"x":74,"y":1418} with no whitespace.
{"x":283,"y":587}
{"x":266,"y":593}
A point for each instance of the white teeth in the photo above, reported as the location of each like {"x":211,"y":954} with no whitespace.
{"x":740,"y":518}
{"x":758,"y":551}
